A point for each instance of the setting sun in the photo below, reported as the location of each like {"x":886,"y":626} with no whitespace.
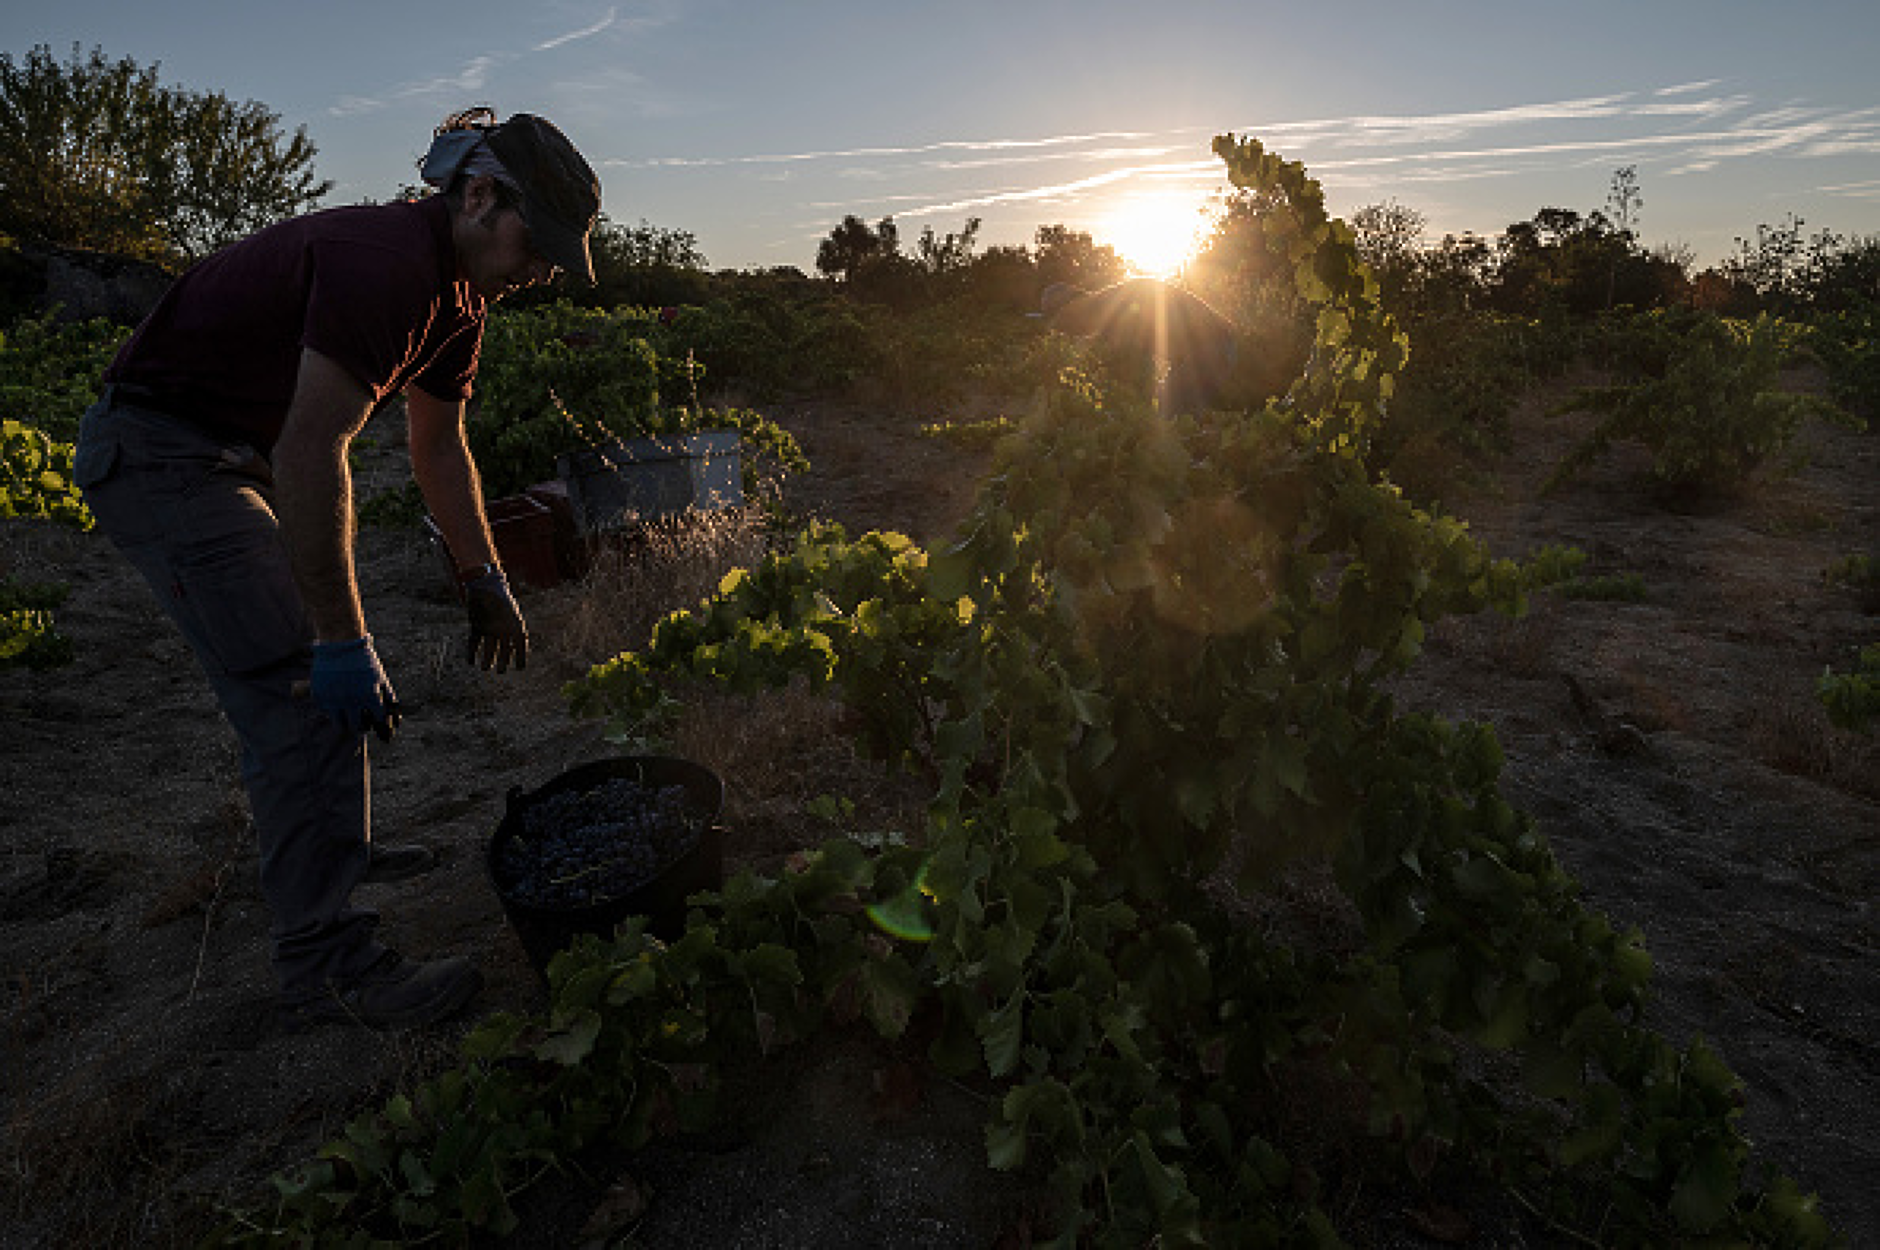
{"x":1155,"y":233}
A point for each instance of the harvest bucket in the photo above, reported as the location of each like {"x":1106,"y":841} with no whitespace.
{"x":547,"y":924}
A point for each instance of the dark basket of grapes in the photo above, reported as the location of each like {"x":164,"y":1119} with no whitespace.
{"x":630,"y":836}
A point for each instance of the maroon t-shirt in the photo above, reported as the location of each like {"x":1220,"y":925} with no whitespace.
{"x":374,"y":287}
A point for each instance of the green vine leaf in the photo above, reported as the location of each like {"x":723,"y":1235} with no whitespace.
{"x":1707,"y":1189}
{"x":1002,"y":1034}
{"x":890,"y":991}
{"x":573,"y":1042}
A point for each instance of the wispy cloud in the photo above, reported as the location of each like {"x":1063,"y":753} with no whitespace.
{"x":1081,"y":154}
{"x":470,"y":77}
{"x":1849,"y":145}
{"x":1050,"y":193}
{"x":850,"y":154}
{"x":1680,"y":130}
{"x":1333,"y":142}
{"x":354,"y":105}
{"x":1417,"y":130}
{"x":1377,"y":129}
{"x":575,"y":36}
{"x":475,"y":74}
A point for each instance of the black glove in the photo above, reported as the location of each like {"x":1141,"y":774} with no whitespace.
{"x":497,"y":632}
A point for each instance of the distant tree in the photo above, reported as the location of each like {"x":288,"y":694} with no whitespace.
{"x":1390,"y":239}
{"x":1715,"y":290}
{"x":893,"y":278}
{"x":230,"y":171}
{"x":1565,"y":262}
{"x":1792,"y":273}
{"x":71,"y":140}
{"x":948,"y":254}
{"x":1005,"y":277}
{"x":1455,"y":274}
{"x":853,"y":243}
{"x":645,"y":266}
{"x":1237,"y":270}
{"x":97,"y":154}
{"x":1625,"y":203}
{"x":1530,"y":268}
{"x":1675,"y":267}
{"x":1066,"y":255}
{"x":646,"y":246}
{"x":1680,"y":256}
{"x":1773,"y":265}
{"x":937,"y":269}
{"x":1845,"y":275}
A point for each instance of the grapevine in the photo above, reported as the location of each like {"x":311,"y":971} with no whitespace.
{"x":49,"y":369}
{"x":1853,"y":697}
{"x":36,"y":477}
{"x":1707,"y":405}
{"x":561,"y":378}
{"x":1155,"y":661}
{"x":1848,"y":343}
{"x":28,"y":636}
{"x":35,"y":481}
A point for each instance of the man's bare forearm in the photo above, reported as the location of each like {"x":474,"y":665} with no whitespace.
{"x":447,"y":477}
{"x":313,"y":494}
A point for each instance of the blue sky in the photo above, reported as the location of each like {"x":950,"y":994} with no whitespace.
{"x":757,"y":126}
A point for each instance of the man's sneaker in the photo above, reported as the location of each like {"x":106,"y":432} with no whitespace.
{"x":397,"y":863}
{"x":394,"y":993}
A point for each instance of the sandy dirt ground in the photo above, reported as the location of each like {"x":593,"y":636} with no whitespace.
{"x":1670,"y":748}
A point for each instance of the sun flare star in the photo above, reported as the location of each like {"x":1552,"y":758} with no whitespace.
{"x":1154,"y":234}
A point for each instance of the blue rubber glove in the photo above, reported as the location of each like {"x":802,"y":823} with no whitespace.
{"x":349,"y":685}
{"x":498,"y":633}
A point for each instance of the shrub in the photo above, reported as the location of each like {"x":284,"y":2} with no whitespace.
{"x":1706,"y":403}
{"x":1464,"y":376}
{"x":1848,"y":344}
{"x":28,"y":637}
{"x":49,"y":370}
{"x":1856,"y":571}
{"x":1853,"y":698}
{"x":772,"y":345}
{"x":972,"y":435}
{"x":560,"y":378}
{"x":1612,"y":588}
{"x":36,"y":477}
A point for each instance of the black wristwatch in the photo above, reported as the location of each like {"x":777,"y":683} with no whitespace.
{"x":466,"y":576}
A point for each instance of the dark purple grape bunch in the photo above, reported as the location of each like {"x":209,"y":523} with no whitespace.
{"x":581,"y":848}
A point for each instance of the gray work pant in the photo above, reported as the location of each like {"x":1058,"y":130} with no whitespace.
{"x":194,"y":515}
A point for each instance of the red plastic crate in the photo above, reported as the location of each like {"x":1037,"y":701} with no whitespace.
{"x":524,"y":531}
{"x":573,"y":552}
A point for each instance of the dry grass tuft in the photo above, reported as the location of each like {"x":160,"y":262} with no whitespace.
{"x":1528,"y":647}
{"x":778,"y":751}
{"x":1791,"y":732}
{"x":634,"y":581}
